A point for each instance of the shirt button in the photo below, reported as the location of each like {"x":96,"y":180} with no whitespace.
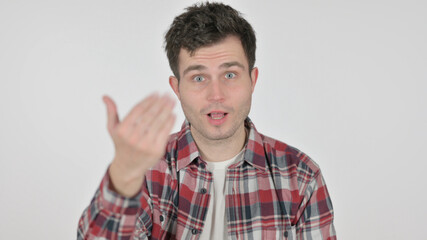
{"x":203,"y":190}
{"x":194,"y":231}
{"x":162,"y":218}
{"x":202,"y":165}
{"x":285,"y":234}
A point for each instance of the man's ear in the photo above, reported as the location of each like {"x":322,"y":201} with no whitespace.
{"x":174,"y":83}
{"x":254,"y":77}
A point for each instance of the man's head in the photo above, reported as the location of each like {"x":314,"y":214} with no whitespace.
{"x":211,"y":50}
{"x":203,"y":25}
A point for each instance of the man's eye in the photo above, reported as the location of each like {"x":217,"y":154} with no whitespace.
{"x":198,"y":78}
{"x":230,"y":75}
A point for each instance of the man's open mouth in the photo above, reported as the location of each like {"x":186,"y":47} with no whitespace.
{"x":217,"y":115}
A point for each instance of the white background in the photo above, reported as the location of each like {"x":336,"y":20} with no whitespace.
{"x":344,"y":81}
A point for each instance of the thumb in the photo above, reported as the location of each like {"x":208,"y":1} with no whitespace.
{"x":112,"y":116}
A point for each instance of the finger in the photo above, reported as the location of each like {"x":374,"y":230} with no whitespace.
{"x":140,"y":108}
{"x":164,"y":132}
{"x":161,"y":118}
{"x":153,"y":113}
{"x":112,"y":116}
{"x":151,"y":116}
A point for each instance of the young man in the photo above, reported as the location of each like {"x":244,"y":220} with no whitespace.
{"x":218,"y":178}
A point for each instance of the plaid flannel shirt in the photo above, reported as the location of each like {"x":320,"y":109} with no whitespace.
{"x":274,"y":192}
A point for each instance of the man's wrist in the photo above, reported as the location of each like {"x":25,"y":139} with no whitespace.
{"x":125,"y":183}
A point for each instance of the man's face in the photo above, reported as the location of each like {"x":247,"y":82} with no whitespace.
{"x":215,"y":89}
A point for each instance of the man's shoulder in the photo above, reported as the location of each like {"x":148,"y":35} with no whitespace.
{"x":285,"y":156}
{"x":174,"y":138}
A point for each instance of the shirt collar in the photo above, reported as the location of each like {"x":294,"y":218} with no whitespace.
{"x":188,"y":151}
{"x":186,"y":147}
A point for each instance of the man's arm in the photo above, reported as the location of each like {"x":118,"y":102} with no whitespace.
{"x":111,"y":215}
{"x":139,"y":142}
{"x":316,"y":213}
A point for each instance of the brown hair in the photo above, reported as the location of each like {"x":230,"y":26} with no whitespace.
{"x":205,"y":24}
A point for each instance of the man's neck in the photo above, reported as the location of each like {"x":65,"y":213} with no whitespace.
{"x":221,"y":150}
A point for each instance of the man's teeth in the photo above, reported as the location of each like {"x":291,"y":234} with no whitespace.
{"x":217,"y":116}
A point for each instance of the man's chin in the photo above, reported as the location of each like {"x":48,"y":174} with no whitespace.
{"x":212,"y":132}
{"x":217,"y":135}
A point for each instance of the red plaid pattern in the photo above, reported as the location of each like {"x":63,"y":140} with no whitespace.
{"x":275,"y":192}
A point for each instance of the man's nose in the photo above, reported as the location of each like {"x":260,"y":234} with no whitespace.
{"x":216,"y":91}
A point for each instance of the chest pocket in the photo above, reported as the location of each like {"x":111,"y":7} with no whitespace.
{"x":279,"y":234}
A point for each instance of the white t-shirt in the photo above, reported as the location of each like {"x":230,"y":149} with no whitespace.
{"x":216,"y":221}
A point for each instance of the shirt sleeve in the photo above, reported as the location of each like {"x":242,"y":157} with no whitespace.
{"x":316,"y":212}
{"x":112,"y":216}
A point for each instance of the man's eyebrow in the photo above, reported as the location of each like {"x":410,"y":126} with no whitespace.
{"x":202,"y":67}
{"x":232,"y":64}
{"x":193,"y":67}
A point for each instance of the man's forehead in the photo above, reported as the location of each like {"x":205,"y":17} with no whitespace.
{"x":226,"y":53}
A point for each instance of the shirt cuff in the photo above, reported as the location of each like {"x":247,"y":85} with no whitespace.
{"x":111,"y":201}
